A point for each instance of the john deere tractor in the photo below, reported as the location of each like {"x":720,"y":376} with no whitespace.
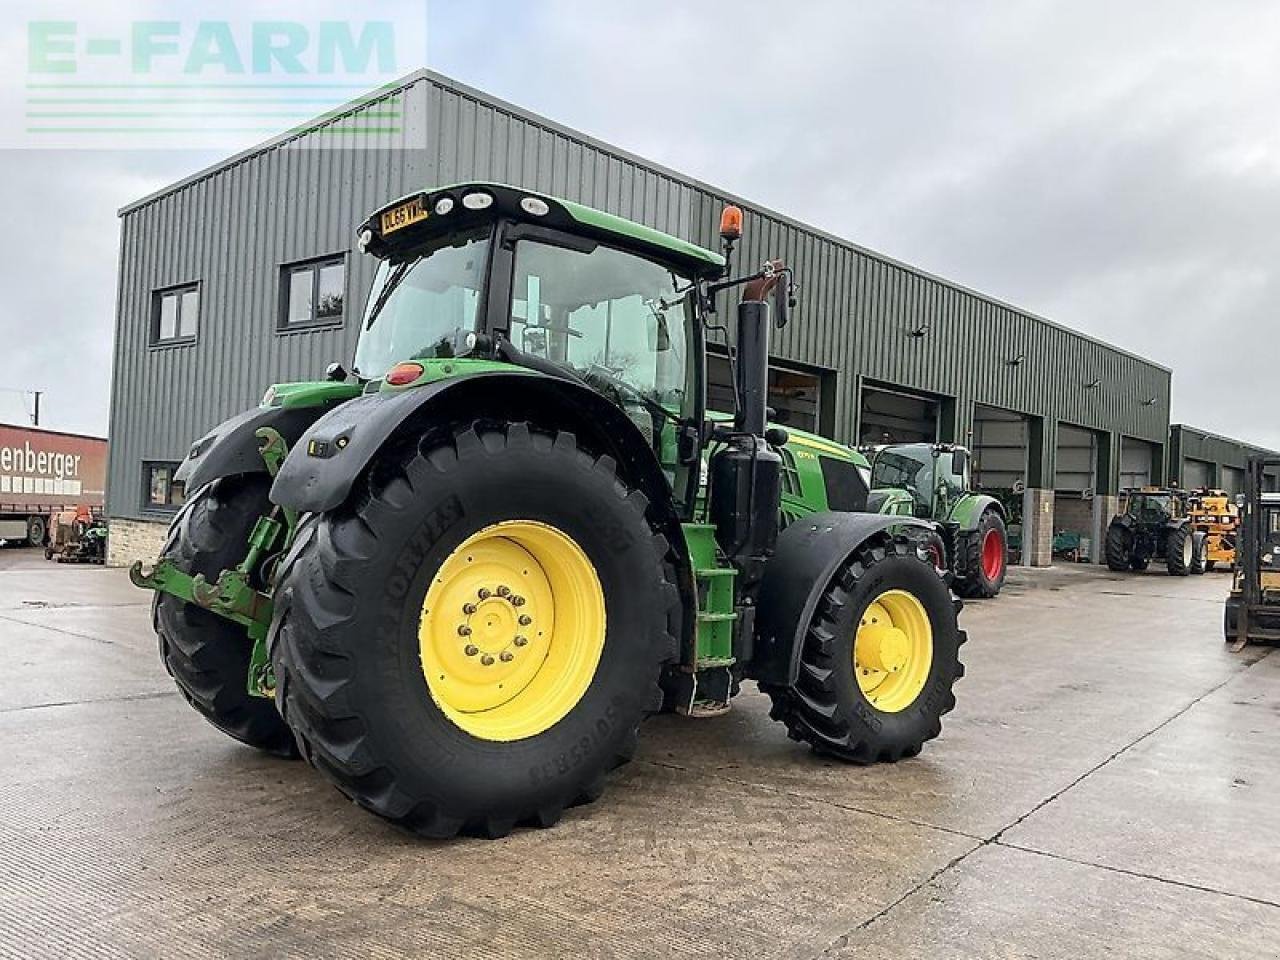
{"x":931,"y":481}
{"x":457,"y":578}
{"x":1154,"y":525}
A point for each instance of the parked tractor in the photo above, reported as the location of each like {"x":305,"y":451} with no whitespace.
{"x":1214,"y":515}
{"x":459,"y":577}
{"x":1153,"y":524}
{"x":1252,"y":611}
{"x":77,"y":536}
{"x":931,"y":481}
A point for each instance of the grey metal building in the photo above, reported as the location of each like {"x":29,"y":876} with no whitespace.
{"x":1201,"y":459}
{"x":245,"y":274}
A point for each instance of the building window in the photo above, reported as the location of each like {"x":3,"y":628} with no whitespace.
{"x":175,"y":314}
{"x":312,"y":294}
{"x":159,"y":490}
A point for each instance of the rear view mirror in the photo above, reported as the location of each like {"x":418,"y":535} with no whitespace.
{"x":783,"y":301}
{"x":960,"y":461}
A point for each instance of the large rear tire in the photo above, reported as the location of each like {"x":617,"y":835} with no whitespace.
{"x":1179,"y":551}
{"x":208,"y":655}
{"x":1119,"y":547}
{"x":407,"y":617}
{"x":879,"y":659}
{"x":984,"y":560}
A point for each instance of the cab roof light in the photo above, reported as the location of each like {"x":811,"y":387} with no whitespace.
{"x":477,"y":200}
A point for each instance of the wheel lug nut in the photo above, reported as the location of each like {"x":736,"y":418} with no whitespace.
{"x":468,"y":608}
{"x":506,"y":656}
{"x":486,"y":660}
{"x":525,"y":619}
{"x":470,"y":649}
{"x":484,"y":593}
{"x":464,"y":631}
{"x":520,"y":641}
{"x":504,"y":591}
{"x":517,"y":601}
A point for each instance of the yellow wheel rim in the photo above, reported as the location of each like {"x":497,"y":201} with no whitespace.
{"x":893,"y":650}
{"x":512,"y":630}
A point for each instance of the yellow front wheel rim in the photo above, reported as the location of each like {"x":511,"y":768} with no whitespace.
{"x":512,"y":630}
{"x":893,"y":650}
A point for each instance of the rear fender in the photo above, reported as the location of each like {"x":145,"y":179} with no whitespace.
{"x":809,"y":554}
{"x":231,"y":448}
{"x":321,"y":469}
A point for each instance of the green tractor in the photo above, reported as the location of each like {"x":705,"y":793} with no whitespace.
{"x":458,"y":578}
{"x":931,"y":481}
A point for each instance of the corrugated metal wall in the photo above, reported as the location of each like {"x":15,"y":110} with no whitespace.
{"x":1189,"y":443}
{"x":231,"y":228}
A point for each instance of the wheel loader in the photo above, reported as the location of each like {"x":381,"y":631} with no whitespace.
{"x":1214,"y":515}
{"x":1153,"y":524}
{"x":932,"y":481}
{"x":1252,"y":612}
{"x":457,"y":577}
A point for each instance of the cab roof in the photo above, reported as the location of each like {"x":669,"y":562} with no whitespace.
{"x":413,"y":218}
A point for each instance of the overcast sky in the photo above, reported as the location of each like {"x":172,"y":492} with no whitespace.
{"x":1114,"y":167}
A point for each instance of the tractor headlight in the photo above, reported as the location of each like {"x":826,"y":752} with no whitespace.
{"x":478,"y":201}
{"x":443,"y":206}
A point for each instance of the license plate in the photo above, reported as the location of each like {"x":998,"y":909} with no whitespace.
{"x":403,"y":216}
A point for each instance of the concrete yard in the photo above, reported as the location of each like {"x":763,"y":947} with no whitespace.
{"x":1107,"y":786}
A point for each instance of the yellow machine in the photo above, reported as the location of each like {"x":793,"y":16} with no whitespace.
{"x":1215,"y":514}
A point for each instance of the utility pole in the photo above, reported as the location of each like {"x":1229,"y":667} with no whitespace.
{"x":35,"y":417}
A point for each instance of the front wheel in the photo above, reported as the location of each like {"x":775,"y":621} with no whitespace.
{"x":985,"y":558}
{"x":879,"y":659}
{"x":472,"y":641}
{"x":37,"y":530}
{"x":1119,"y":549}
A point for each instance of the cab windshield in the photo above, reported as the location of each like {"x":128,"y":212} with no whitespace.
{"x":1149,"y":507}
{"x":420,"y":304}
{"x":905,"y":468}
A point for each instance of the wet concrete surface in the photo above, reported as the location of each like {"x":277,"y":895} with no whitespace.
{"x":1105,"y":787}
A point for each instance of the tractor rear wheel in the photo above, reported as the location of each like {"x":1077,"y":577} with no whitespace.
{"x":984,"y":558}
{"x":208,"y":655}
{"x":879,"y":659}
{"x":1179,"y":551}
{"x":1199,"y":544}
{"x":1119,"y":549}
{"x":472,"y":641}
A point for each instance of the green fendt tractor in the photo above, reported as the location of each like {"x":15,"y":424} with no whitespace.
{"x":459,"y":577}
{"x":931,"y":481}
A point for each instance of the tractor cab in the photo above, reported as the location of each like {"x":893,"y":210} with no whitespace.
{"x":933,"y":476}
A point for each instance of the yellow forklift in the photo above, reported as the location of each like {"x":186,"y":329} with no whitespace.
{"x":1253,"y":607}
{"x":1214,"y":514}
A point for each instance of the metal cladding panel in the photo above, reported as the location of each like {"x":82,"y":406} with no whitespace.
{"x":232,"y":227}
{"x":1191,"y":444}
{"x":231,"y":230}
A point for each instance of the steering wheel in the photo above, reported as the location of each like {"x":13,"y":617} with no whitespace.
{"x":625,"y":389}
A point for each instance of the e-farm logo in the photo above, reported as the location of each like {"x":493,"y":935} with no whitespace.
{"x":205,"y":77}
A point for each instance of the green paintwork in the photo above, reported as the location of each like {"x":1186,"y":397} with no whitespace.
{"x":636,"y":231}
{"x":310,"y":393}
{"x":434,"y":370}
{"x":969,"y":509}
{"x":714,"y":580}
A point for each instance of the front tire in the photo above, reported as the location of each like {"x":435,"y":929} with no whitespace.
{"x":208,"y":655}
{"x":37,"y":530}
{"x":849,"y":701}
{"x":390,"y":699}
{"x":985,"y":558}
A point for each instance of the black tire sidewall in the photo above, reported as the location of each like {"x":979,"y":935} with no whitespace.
{"x":431,"y":755}
{"x":906,"y":728}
